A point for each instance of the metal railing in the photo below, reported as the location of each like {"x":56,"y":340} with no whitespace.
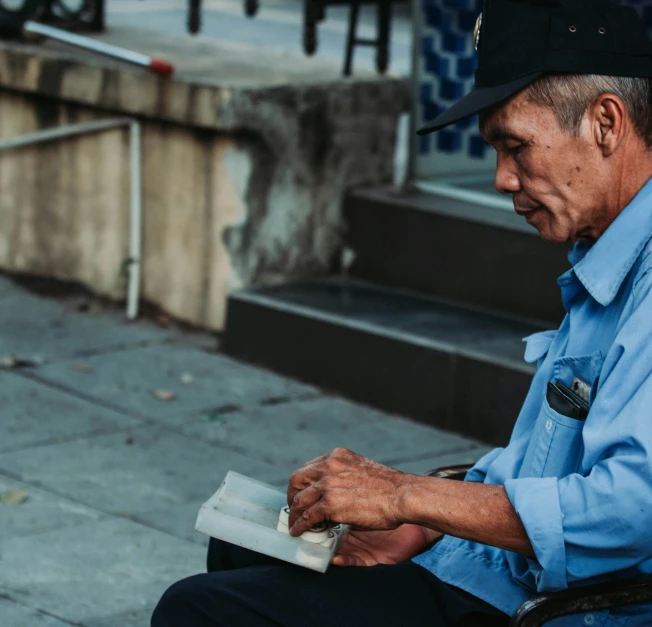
{"x":135,"y":216}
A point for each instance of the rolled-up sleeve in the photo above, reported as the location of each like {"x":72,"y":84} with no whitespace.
{"x":537,"y":503}
{"x":599,"y":521}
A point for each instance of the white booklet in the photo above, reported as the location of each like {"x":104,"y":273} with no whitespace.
{"x":246,"y":512}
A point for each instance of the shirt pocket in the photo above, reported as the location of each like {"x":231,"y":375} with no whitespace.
{"x":586,"y":367}
{"x":556,"y":446}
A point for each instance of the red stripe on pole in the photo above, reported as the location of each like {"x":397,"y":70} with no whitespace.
{"x":161,"y":67}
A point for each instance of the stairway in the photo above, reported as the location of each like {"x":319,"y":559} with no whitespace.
{"x":428,"y":321}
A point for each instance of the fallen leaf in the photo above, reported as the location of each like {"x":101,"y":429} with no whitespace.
{"x":163,"y":321}
{"x":85,"y":368}
{"x":186,"y":378}
{"x":13,"y":497}
{"x":164,"y":395}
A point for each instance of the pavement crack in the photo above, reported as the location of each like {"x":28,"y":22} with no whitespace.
{"x":60,"y":387}
{"x":224,"y":409}
{"x":109,"y":350}
{"x":77,"y":437}
{"x":8,"y":597}
{"x":270,"y":401}
{"x":134,"y":518}
{"x":285,"y":399}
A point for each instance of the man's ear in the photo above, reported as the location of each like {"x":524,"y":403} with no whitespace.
{"x":610,"y":122}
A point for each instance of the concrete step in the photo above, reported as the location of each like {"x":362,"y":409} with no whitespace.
{"x":441,"y":364}
{"x":480,"y":256}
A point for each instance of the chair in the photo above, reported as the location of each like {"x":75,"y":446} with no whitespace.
{"x":314,"y":12}
{"x":540,"y":609}
{"x":86,"y":15}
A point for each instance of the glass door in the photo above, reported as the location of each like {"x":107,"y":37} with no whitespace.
{"x":454,"y":162}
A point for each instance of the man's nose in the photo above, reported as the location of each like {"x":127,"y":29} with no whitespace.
{"x":506,"y":180}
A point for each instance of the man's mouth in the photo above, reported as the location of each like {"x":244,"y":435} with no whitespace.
{"x":526,"y":211}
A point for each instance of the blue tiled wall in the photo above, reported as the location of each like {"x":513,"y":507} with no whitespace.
{"x":449,"y":61}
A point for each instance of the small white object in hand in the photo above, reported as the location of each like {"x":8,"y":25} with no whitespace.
{"x":319,"y":534}
{"x":283,"y":520}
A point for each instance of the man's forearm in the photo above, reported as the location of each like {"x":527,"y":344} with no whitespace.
{"x":473,"y":511}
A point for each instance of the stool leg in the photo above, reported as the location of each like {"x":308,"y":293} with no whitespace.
{"x":97,"y":23}
{"x":310,"y":15}
{"x":251,"y":8}
{"x":194,"y":16}
{"x":384,"y":19}
{"x":350,"y":40}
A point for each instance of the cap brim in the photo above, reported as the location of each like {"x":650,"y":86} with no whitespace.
{"x":478,"y":100}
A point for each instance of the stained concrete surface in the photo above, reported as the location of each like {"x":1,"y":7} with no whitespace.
{"x":17,"y":615}
{"x":277,"y":29}
{"x":296,"y":434}
{"x":114,"y":477}
{"x":203,"y":383}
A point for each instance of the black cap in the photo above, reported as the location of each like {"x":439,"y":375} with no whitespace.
{"x":520,"y":40}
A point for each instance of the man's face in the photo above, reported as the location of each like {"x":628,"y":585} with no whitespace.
{"x":556,"y":178}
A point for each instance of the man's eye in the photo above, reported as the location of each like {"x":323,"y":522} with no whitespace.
{"x":515,"y":150}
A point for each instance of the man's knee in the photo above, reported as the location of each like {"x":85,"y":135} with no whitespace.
{"x":185,"y":603}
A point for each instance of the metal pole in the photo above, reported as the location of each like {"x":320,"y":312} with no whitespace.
{"x":417,"y":17}
{"x":135,"y":229}
{"x":51,"y":134}
{"x":135,"y":216}
{"x":87,"y":43}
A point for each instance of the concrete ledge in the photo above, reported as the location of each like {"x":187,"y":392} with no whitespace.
{"x":246,"y":161}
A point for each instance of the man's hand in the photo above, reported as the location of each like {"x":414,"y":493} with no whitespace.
{"x":368,"y":548}
{"x":344,"y":487}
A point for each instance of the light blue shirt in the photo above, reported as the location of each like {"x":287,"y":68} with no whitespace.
{"x":583,"y":490}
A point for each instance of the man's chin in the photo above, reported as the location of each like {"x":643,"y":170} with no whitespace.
{"x":553,"y":238}
{"x":548,"y":234}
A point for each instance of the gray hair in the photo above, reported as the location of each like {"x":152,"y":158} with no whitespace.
{"x":570,"y":95}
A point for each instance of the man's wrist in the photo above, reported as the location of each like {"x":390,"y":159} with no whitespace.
{"x":409,"y":505}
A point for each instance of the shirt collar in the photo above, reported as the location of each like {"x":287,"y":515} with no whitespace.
{"x":603,"y":266}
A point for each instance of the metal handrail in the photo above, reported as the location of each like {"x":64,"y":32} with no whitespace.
{"x":135,"y":216}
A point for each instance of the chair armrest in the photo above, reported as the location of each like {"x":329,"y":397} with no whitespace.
{"x":457,"y":473}
{"x":540,"y":609}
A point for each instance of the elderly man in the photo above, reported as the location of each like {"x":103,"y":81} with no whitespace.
{"x":564,"y":91}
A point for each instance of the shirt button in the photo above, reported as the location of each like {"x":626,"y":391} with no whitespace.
{"x":548,"y":427}
{"x":589,"y":619}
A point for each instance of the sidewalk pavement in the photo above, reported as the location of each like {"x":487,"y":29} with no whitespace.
{"x":111,"y":441}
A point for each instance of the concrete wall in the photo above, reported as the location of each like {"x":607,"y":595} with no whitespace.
{"x":240,"y":187}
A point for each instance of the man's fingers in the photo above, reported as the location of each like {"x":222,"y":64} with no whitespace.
{"x":336,"y":461}
{"x":302,"y":501}
{"x":308,"y":519}
{"x":301,"y":479}
{"x":348,"y":560}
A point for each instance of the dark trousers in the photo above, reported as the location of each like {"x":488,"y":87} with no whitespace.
{"x":246,"y":589}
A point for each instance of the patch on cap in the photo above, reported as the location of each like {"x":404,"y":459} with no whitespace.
{"x":476,"y":31}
